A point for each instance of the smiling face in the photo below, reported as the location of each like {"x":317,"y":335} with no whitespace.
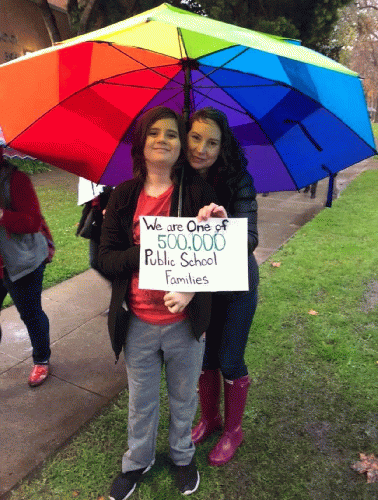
{"x":163,"y":145}
{"x":204,"y":144}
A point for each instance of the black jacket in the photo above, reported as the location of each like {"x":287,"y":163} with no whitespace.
{"x":119,"y":257}
{"x":94,"y":232}
{"x":238,"y":196}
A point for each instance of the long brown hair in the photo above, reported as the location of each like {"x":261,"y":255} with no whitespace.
{"x":231,"y":159}
{"x":142,"y":127}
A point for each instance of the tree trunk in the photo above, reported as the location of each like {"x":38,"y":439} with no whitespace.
{"x":84,"y":20}
{"x":50,"y":22}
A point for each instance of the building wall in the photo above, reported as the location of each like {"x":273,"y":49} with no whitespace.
{"x":23,"y":30}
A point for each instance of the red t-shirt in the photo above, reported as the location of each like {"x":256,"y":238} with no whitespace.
{"x":148,"y":305}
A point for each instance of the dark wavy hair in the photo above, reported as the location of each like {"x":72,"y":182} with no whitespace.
{"x":142,"y":127}
{"x":231,"y":160}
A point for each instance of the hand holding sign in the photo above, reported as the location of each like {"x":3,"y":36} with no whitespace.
{"x":211,"y":210}
{"x":185,"y":255}
{"x":177,"y":301}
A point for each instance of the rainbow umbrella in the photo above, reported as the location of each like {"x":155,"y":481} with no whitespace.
{"x":299,"y":115}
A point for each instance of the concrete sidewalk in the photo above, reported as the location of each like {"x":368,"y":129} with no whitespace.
{"x":36,"y":422}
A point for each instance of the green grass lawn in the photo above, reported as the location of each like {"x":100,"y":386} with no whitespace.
{"x":313,"y":402}
{"x":375,"y":131}
{"x":62,"y":214}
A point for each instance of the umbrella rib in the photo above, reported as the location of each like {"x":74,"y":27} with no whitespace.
{"x":211,"y":87}
{"x":206,"y":96}
{"x":152,"y":69}
{"x":144,"y":65}
{"x":115,"y":84}
{"x":179,"y":88}
{"x":181,"y":38}
{"x":224,"y":64}
{"x":305,"y":132}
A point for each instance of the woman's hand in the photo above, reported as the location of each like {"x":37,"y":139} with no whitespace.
{"x":211,"y":210}
{"x":177,"y":301}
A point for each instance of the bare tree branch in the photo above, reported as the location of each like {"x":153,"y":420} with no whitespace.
{"x":50,"y":22}
{"x":361,"y":5}
{"x":85,"y":17}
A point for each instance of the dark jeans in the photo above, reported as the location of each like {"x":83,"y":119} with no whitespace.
{"x":227,"y":335}
{"x":26,"y":294}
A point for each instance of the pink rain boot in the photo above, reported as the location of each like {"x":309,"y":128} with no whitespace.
{"x":209,"y":394}
{"x":235,"y":397}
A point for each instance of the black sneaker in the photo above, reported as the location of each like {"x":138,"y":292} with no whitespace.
{"x":124,"y":484}
{"x":188,"y":478}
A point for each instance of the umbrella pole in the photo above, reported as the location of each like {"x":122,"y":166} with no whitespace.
{"x":187,"y":86}
{"x":330,"y":186}
{"x":187,"y":65}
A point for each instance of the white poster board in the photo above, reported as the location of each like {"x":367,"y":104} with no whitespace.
{"x":182,"y":254}
{"x":87,"y":190}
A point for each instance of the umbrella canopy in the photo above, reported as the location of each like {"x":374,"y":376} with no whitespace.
{"x":9,"y":152}
{"x":299,"y":115}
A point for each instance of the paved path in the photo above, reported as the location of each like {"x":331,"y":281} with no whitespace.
{"x":37,"y":422}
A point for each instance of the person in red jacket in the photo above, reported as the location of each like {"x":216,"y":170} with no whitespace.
{"x":23,"y":254}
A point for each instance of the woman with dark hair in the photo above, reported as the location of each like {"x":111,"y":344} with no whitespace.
{"x":216,"y":155}
{"x":155,"y":327}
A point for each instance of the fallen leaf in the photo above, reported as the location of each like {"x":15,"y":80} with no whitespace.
{"x":312,"y":312}
{"x":101,"y":498}
{"x":75,"y":493}
{"x":368,"y":464}
{"x":276,"y":264}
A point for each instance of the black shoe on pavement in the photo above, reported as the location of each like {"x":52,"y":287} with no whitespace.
{"x":188,"y":478}
{"x":124,"y":484}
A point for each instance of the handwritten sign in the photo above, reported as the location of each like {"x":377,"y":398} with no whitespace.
{"x":182,"y":254}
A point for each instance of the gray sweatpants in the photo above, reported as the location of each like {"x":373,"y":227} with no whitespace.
{"x":147,"y":347}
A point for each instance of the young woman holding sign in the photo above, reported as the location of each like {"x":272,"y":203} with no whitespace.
{"x":216,"y":155}
{"x":155,"y":327}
